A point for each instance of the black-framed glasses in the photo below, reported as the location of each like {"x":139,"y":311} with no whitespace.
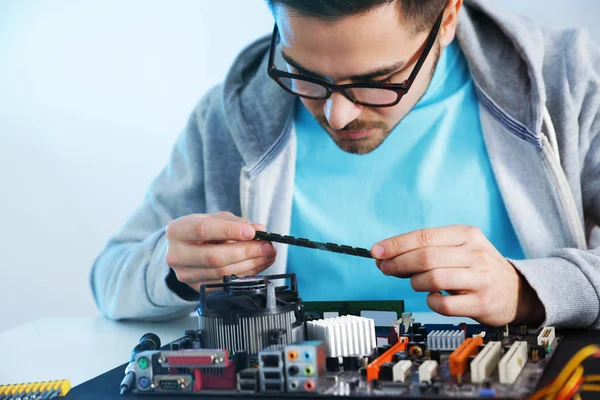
{"x":365,"y":94}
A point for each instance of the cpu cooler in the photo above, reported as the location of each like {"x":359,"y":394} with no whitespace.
{"x":251,"y":313}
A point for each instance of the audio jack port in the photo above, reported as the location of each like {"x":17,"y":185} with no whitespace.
{"x":309,"y":370}
{"x":292,"y":355}
{"x":309,"y":386}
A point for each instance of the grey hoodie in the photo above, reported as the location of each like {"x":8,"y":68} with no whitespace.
{"x":539,"y":108}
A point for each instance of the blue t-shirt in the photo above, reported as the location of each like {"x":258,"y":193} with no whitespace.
{"x":432,"y":170}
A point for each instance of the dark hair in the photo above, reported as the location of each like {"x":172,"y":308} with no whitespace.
{"x":421,"y":13}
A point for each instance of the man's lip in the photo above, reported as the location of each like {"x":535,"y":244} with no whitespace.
{"x":353,"y":134}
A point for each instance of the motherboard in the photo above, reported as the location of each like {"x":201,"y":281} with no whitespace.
{"x":256,"y":336}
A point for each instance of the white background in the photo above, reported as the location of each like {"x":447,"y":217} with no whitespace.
{"x":92,"y":96}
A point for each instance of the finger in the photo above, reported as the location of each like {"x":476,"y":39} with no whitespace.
{"x":449,"y":279}
{"x":455,"y":235}
{"x":230,"y":217}
{"x":423,"y":260}
{"x":192,"y":275}
{"x":257,"y":227}
{"x":202,"y":228}
{"x":217,"y":255}
{"x":463,"y":305}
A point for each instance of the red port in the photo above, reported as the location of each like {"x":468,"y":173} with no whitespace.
{"x":197,"y":380}
{"x":181,"y":361}
{"x":223,"y":379}
{"x":309,"y":386}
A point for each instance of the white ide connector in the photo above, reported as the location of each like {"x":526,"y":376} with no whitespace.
{"x":485,"y":362}
{"x":427,"y":370}
{"x":401,"y":370}
{"x":513,"y":362}
{"x":344,"y":336}
{"x":546,"y":337}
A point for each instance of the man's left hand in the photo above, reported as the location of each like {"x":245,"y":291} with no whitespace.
{"x":460,"y":260}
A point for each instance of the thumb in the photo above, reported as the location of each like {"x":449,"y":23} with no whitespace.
{"x":259,"y":227}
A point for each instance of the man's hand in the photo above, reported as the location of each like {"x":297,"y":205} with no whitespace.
{"x":460,"y":260}
{"x":205,"y":247}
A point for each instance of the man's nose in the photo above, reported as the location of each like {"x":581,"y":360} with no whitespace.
{"x":340,"y":111}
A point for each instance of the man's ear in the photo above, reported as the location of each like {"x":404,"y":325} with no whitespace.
{"x":449,"y":22}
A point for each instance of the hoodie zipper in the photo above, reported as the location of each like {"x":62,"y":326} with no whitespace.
{"x":248,"y":174}
{"x":551,"y":159}
{"x":564,"y":192}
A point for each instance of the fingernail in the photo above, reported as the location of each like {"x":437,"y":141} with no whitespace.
{"x":248,"y":232}
{"x":378,"y":251}
{"x":266,"y":249}
{"x":271,"y":257}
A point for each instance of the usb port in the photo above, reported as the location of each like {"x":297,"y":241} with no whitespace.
{"x":272,"y":375}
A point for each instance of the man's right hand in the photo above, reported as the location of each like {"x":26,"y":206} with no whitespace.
{"x":205,"y":247}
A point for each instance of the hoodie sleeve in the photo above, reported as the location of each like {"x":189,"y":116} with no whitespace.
{"x":568,"y":281}
{"x":129,"y":277}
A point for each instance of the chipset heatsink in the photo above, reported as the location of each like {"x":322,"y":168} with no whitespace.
{"x":344,"y":336}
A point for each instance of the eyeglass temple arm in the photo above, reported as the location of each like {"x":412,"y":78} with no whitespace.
{"x":430,"y":42}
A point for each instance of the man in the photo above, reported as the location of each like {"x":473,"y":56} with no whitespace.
{"x":430,"y":131}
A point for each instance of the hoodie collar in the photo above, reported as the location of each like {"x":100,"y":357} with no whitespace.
{"x":505,"y":54}
{"x":258,"y":109}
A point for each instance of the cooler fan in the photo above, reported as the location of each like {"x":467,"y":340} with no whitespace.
{"x":250,"y":313}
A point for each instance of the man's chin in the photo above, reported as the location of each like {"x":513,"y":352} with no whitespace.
{"x":358,"y":146}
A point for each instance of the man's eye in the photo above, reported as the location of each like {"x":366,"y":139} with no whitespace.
{"x":303,"y":74}
{"x":387,"y":80}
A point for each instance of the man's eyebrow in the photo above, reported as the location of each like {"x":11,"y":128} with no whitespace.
{"x":363,"y":77}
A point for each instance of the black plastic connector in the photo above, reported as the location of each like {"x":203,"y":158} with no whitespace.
{"x":335,"y":248}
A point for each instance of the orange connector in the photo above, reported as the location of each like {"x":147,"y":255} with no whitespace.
{"x":460,"y":356}
{"x":373,"y":368}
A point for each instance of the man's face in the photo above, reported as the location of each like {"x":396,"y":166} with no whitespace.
{"x":357,"y":46}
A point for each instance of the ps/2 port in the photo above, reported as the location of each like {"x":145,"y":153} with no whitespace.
{"x":292,"y":355}
{"x":143,"y":383}
{"x":143,"y":363}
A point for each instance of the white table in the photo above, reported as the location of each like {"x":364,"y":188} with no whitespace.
{"x":79,"y":349}
{"x":76,"y":349}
